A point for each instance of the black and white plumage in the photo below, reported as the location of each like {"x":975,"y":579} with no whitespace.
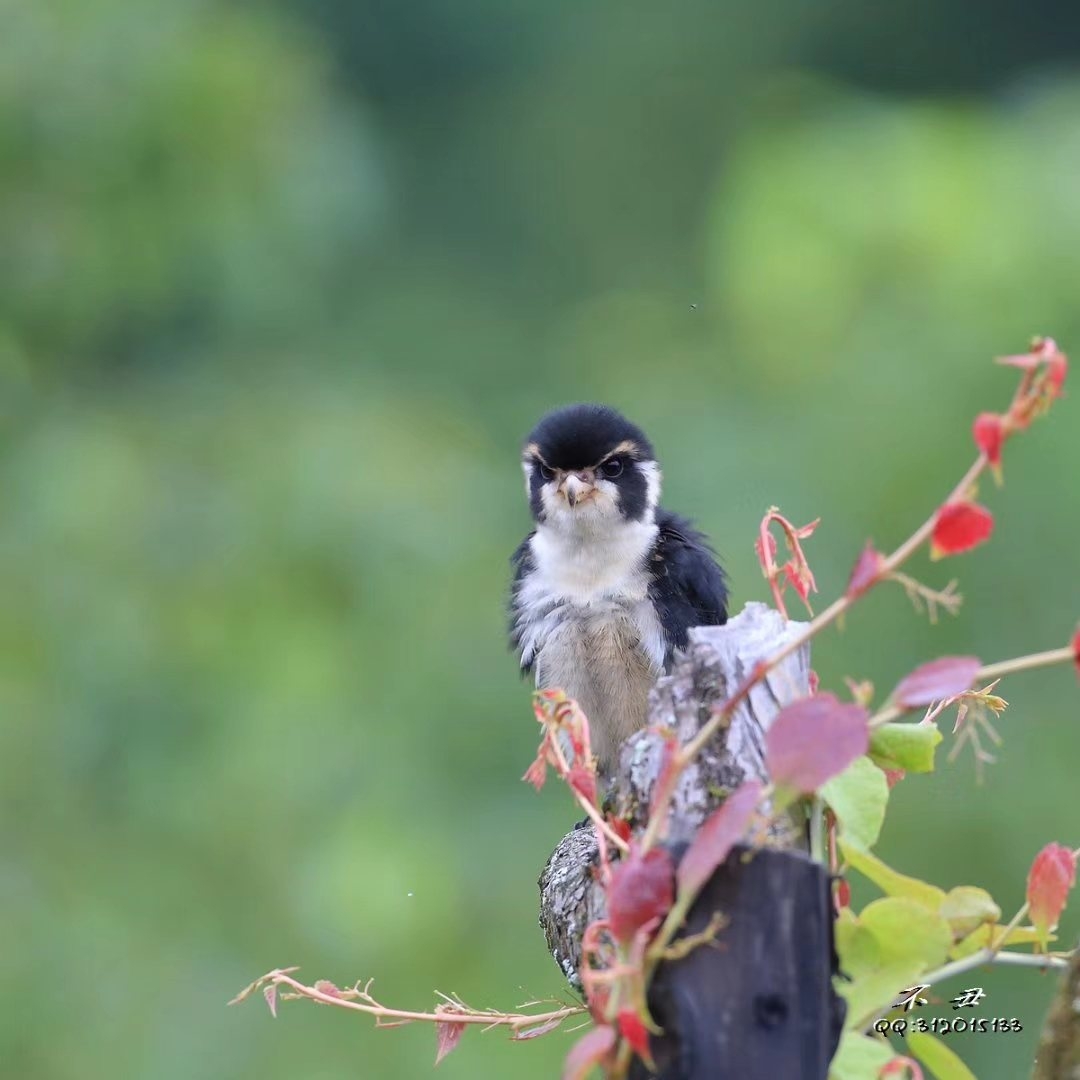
{"x":608,"y":583}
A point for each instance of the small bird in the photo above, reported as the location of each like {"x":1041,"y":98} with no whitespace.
{"x":608,"y":583}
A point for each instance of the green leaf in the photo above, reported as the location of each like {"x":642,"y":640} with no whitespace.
{"x":858,"y":1057}
{"x":858,"y":797}
{"x":906,"y":929}
{"x":875,"y":992}
{"x":857,"y":948}
{"x":884,"y":950}
{"x":967,"y":907}
{"x":980,"y":939}
{"x":890,"y":881}
{"x":905,"y":746}
{"x":937,"y":1057}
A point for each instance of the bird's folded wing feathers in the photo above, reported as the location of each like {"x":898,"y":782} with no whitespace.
{"x":687,"y":584}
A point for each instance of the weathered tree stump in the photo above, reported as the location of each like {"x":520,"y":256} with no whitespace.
{"x":759,"y":1004}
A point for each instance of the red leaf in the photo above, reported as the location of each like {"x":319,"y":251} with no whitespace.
{"x":865,"y":571}
{"x":1076,"y":652}
{"x":641,"y":888}
{"x":940,"y":679}
{"x":843,"y":893}
{"x":894,"y":776}
{"x":1052,"y":875}
{"x":621,"y":828}
{"x":989,"y":433}
{"x":591,"y":1049}
{"x":447,"y":1036}
{"x":583,"y":782}
{"x":960,"y":526}
{"x":270,"y":994}
{"x":722,"y":829}
{"x":634,"y":1031}
{"x":813,"y":739}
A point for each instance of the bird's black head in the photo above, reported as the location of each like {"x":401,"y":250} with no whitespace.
{"x":586,"y":464}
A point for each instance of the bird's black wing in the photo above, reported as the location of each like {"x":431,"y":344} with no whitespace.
{"x":522,"y":563}
{"x":687,"y":586}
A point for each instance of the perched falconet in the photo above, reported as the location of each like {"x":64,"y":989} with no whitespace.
{"x":607,"y":584}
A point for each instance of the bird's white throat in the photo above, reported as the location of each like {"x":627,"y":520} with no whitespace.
{"x":594,"y":559}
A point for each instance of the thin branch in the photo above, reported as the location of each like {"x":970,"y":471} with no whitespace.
{"x":1045,"y":961}
{"x":833,"y":612}
{"x":1027,"y":663}
{"x":455,"y":1011}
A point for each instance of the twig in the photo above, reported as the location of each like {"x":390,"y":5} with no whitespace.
{"x":455,"y":1012}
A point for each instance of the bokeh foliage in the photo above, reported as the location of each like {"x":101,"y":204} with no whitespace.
{"x":280,"y":290}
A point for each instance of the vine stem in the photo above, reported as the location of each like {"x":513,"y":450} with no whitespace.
{"x":834,"y":611}
{"x":281,"y":977}
{"x":1027,"y":663}
{"x":990,"y":672}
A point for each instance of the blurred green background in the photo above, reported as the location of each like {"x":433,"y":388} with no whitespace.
{"x":282,"y":286}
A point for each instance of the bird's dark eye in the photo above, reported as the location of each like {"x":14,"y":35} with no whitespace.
{"x":612,"y":467}
{"x":545,"y":472}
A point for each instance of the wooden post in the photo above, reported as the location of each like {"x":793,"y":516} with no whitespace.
{"x":759,"y":1004}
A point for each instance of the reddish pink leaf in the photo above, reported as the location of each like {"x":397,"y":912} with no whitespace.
{"x":325,"y":986}
{"x":621,"y":828}
{"x":940,"y":679}
{"x":959,"y":527}
{"x":536,"y":774}
{"x":865,"y":571}
{"x":591,"y":1049}
{"x":1044,"y":350}
{"x":1076,"y":652}
{"x":904,"y":1068}
{"x":722,"y":830}
{"x":843,"y":893}
{"x":634,"y":1031}
{"x":800,"y":579}
{"x":447,"y":1036}
{"x":813,"y":739}
{"x":583,"y":781}
{"x":894,"y":776}
{"x":641,"y":888}
{"x":270,"y":995}
{"x":989,"y":433}
{"x":1028,"y":361}
{"x":1057,"y":369}
{"x":597,"y":997}
{"x":1052,"y":875}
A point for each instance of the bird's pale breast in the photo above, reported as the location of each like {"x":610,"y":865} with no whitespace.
{"x":595,"y":635}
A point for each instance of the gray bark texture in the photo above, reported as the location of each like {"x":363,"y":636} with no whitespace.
{"x":717,"y":660}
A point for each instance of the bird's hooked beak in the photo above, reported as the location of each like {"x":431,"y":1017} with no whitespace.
{"x":578,"y":486}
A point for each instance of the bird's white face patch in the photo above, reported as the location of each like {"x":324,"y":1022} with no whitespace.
{"x":571,"y":504}
{"x":584,"y":500}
